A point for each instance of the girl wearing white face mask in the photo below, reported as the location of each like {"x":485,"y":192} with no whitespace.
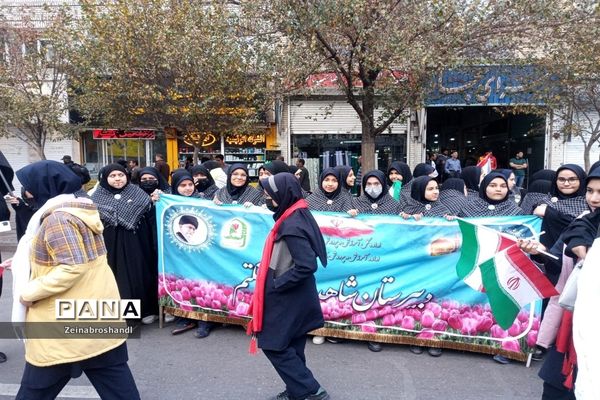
{"x":376,"y":199}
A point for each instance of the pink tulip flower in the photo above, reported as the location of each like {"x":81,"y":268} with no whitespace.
{"x":512,"y":345}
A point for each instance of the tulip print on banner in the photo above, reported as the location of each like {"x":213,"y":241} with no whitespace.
{"x":387,"y":279}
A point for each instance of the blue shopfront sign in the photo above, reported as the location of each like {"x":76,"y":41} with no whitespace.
{"x":487,"y":86}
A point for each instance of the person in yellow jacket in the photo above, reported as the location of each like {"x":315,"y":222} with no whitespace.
{"x":63,"y":256}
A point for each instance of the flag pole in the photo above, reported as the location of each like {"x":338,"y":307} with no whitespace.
{"x":6,"y":183}
{"x":511,"y":237}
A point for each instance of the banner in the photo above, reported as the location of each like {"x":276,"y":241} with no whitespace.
{"x":387,"y":279}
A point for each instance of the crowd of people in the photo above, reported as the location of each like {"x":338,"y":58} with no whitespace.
{"x":565,"y":199}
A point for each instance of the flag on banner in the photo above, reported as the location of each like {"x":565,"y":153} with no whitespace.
{"x":511,"y":281}
{"x":487,"y":163}
{"x":479,"y":244}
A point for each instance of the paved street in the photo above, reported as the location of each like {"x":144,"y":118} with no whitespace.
{"x":219,"y":367}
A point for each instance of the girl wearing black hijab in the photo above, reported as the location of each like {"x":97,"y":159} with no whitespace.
{"x":537,"y":193}
{"x":423,"y":200}
{"x":375,"y":198}
{"x":150,"y":180}
{"x":399,"y":179}
{"x":565,"y":203}
{"x":493,"y":199}
{"x":472,"y":177}
{"x":285,"y":305}
{"x":204,"y":182}
{"x":237,"y":190}
{"x":347,"y":177}
{"x":453,"y":195}
{"x":330,"y":196}
{"x":127,"y":214}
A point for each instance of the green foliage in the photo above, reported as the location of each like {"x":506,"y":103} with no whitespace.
{"x":33,"y":103}
{"x":163,"y":63}
{"x":385,"y":53}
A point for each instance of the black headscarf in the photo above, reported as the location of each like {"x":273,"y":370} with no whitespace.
{"x":422,"y":169}
{"x":403,"y":169}
{"x":285,"y":190}
{"x":276,"y":167}
{"x":544,"y":174}
{"x":471,"y":176}
{"x":48,"y":179}
{"x":452,"y":195}
{"x":162,"y":182}
{"x":106,"y":171}
{"x":178,"y":176}
{"x":202,"y":184}
{"x":505,"y":172}
{"x":211,"y":164}
{"x":577,"y":170}
{"x":417,"y":190}
{"x":454,"y":184}
{"x":344,"y":171}
{"x":594,"y":174}
{"x":540,"y":186}
{"x":234,"y":191}
{"x":594,"y":166}
{"x":485,"y":183}
{"x":537,"y":194}
{"x":333,"y":172}
{"x":381,"y":178}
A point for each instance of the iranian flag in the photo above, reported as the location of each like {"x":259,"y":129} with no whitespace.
{"x":511,"y":281}
{"x":479,"y":244}
{"x":486,"y":163}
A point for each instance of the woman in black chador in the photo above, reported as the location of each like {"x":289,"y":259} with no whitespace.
{"x":285,"y":305}
{"x":126,"y":212}
{"x":330,"y":195}
{"x":493,"y":200}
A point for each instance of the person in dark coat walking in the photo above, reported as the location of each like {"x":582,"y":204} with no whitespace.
{"x":285,"y":305}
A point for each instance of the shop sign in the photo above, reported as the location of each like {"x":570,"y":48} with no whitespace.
{"x":487,"y":86}
{"x":242,"y":140}
{"x":124,"y":134}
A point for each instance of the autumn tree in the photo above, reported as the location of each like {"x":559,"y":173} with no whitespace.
{"x":574,"y":85}
{"x":163,"y":63}
{"x":33,"y":84}
{"x":386,"y":53}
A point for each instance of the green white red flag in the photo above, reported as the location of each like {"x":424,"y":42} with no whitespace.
{"x":479,"y":244}
{"x":511,"y":281}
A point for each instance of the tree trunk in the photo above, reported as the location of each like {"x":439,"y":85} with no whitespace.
{"x":586,"y":154}
{"x":39,"y":149}
{"x":368,"y":130}
{"x":196,"y":149}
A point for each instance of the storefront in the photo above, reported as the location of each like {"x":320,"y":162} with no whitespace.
{"x":474,"y":111}
{"x":326,"y":131}
{"x":106,"y":146}
{"x":248,"y":149}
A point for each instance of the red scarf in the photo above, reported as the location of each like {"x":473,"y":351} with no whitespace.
{"x":565,"y":345}
{"x":258,"y":298}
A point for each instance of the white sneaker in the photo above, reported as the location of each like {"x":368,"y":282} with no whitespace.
{"x":169,"y":318}
{"x":318,"y":340}
{"x":149,"y":319}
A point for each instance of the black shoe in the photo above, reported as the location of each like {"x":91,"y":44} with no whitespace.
{"x":416,"y":349}
{"x":2,"y":357}
{"x":374,"y":347}
{"x":281,"y":396}
{"x":203,"y":330}
{"x":183,"y":325}
{"x":501,"y":359}
{"x":434,"y":351}
{"x":334,"y":340}
{"x":538,"y":354}
{"x":320,"y":395}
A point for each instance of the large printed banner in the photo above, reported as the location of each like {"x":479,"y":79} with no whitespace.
{"x":387,"y":279}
